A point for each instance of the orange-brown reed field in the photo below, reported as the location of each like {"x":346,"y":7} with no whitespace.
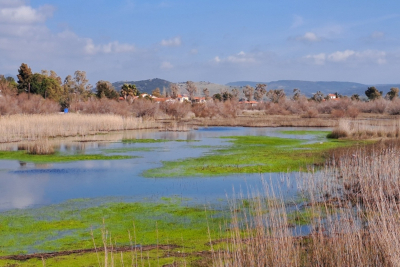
{"x":351,"y":209}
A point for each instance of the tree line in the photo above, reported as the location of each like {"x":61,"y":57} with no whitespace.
{"x":76,"y":88}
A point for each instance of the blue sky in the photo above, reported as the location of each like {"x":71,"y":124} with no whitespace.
{"x":216,"y":41}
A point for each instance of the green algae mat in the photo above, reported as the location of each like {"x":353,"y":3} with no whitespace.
{"x":252,"y":154}
{"x":68,"y":226}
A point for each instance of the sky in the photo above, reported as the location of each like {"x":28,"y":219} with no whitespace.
{"x":217,"y":41}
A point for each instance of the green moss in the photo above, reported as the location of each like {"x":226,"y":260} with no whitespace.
{"x":251,"y":154}
{"x":58,"y":157}
{"x":67,"y":227}
{"x":149,"y":141}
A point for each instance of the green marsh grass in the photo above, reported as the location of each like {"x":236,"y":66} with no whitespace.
{"x":67,"y":226}
{"x":56,"y":157}
{"x":251,"y":154}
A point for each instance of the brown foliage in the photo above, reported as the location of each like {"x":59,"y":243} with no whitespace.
{"x":337,"y":113}
{"x":33,"y":104}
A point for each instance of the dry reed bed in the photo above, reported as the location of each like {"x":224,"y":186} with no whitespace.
{"x":32,"y":127}
{"x":355,"y":220}
{"x":369,"y":128}
{"x":268,"y":121}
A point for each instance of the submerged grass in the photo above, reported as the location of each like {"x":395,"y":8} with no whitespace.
{"x":54,"y":158}
{"x":150,"y":141}
{"x":67,"y":227}
{"x":128,"y":149}
{"x":251,"y":154}
{"x":301,"y":132}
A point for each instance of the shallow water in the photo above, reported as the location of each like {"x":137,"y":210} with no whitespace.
{"x":24,"y":185}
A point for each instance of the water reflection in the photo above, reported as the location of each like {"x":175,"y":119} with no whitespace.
{"x":25,"y":184}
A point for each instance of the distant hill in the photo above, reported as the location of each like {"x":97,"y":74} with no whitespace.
{"x":308,"y":87}
{"x":213,"y":88}
{"x":145,"y":86}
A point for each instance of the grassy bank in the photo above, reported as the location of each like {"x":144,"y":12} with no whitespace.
{"x":251,"y":154}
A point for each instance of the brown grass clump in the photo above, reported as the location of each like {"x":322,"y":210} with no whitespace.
{"x":40,"y":147}
{"x":352,"y":112}
{"x":367,"y":129}
{"x":311,"y":113}
{"x":337,"y":113}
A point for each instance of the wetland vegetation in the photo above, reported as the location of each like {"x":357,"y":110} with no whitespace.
{"x":182,"y":230}
{"x":253,"y":154}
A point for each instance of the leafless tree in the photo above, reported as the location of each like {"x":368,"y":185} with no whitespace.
{"x":296,"y":94}
{"x":276,"y":95}
{"x":235,"y":93}
{"x":260,"y":91}
{"x":175,"y":90}
{"x":191,"y":88}
{"x":248,"y":92}
{"x":206,"y":93}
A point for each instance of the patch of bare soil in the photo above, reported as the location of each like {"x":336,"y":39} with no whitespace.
{"x":82,"y":251}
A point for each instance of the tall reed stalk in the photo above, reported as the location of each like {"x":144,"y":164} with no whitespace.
{"x":354,"y":221}
{"x":370,"y":128}
{"x":32,"y":127}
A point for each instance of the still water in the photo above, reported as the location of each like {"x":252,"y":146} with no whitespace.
{"x":26,"y":185}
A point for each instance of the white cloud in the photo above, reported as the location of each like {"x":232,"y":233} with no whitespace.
{"x":318,"y":59}
{"x":297,"y":22}
{"x":194,"y":51}
{"x":240,"y":57}
{"x":25,"y":14}
{"x":308,"y":37}
{"x":112,"y":47}
{"x":166,"y":65}
{"x":176,"y":41}
{"x":341,"y":55}
{"x":373,"y":56}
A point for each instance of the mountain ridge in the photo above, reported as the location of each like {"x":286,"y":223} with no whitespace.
{"x":306,"y":87}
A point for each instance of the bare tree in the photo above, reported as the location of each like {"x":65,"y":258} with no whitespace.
{"x":191,"y":88}
{"x":82,"y":86}
{"x":296,"y":94}
{"x":260,"y":91}
{"x":175,"y":90}
{"x":276,"y":95}
{"x":248,"y":92}
{"x":235,"y":93}
{"x":206,"y":93}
